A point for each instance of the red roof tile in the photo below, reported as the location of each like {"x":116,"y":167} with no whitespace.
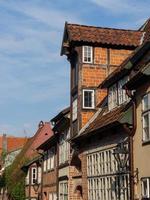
{"x":121,"y":69}
{"x":42,"y":135}
{"x":14,"y":143}
{"x":104,"y":120}
{"x":101,"y":35}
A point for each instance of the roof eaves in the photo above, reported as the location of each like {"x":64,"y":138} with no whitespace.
{"x":126,"y":66}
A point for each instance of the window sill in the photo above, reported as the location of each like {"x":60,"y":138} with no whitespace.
{"x":145,"y":142}
{"x":89,"y":109}
{"x":89,"y":63}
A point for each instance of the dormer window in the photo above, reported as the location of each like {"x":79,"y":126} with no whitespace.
{"x":117,"y":95}
{"x":88,"y":99}
{"x":87,"y":54}
{"x":122,"y":96}
{"x":112,"y":98}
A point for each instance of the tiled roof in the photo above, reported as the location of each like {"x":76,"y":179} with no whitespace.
{"x":105,"y":120}
{"x":121,"y":69}
{"x":139,"y":77}
{"x":60,"y":114}
{"x":146,"y":29}
{"x":82,"y":33}
{"x":42,"y":135}
{"x":14,"y":143}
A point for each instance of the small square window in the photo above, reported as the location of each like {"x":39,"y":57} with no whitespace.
{"x":88,"y":99}
{"x":87,"y":54}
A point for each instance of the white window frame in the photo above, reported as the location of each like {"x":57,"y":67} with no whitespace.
{"x":33,"y":175}
{"x":92,"y":98}
{"x":147,"y":180}
{"x":146,"y":112}
{"x":45,"y":162}
{"x":39,"y":174}
{"x":102,"y":171}
{"x":122,"y":96}
{"x":74,"y":109}
{"x":112,"y":97}
{"x":52,"y":196}
{"x":83,"y":54}
{"x":64,"y":147}
{"x":51,"y":158}
{"x":63,"y":190}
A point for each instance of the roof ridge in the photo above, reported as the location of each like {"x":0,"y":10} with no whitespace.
{"x":107,"y":28}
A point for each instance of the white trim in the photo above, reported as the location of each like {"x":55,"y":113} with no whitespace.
{"x":91,"y":54}
{"x":146,"y":112}
{"x":74,"y":109}
{"x":63,"y":190}
{"x":147,"y":180}
{"x":92,"y":98}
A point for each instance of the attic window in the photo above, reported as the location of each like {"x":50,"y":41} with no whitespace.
{"x":87,"y":54}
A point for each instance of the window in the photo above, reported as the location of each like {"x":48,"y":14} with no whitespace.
{"x":33,"y":175}
{"x":112,"y":98}
{"x":104,"y":182}
{"x":52,"y":196}
{"x":88,"y":99}
{"x":50,"y":160}
{"x":64,"y":147}
{"x":27,"y":177}
{"x":145,"y":188}
{"x":39,"y":174}
{"x":74,"y":110}
{"x":146,"y":117}
{"x":45,"y":162}
{"x":63,"y":190}
{"x":87,"y":53}
{"x":122,"y":96}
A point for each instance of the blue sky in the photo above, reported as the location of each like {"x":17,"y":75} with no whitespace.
{"x":34,"y":79}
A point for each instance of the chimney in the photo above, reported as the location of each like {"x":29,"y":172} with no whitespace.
{"x":41,"y":124}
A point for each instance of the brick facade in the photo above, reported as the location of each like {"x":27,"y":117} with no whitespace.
{"x":106,"y":59}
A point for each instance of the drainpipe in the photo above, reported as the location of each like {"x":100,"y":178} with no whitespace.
{"x":131,"y":135}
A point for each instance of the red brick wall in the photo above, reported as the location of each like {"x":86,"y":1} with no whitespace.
{"x":91,"y":75}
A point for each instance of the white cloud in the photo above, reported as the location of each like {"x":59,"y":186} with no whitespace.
{"x":133,"y":7}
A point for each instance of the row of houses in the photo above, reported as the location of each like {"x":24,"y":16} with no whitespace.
{"x":99,"y":147}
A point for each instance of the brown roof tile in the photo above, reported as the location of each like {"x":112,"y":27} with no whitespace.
{"x":104,"y":120}
{"x":101,"y":35}
{"x":121,"y":69}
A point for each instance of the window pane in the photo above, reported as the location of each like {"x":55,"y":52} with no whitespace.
{"x":87,"y":54}
{"x":74,"y":111}
{"x":145,"y":102}
{"x":88,"y":98}
{"x":145,"y":188}
{"x":146,"y":128}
